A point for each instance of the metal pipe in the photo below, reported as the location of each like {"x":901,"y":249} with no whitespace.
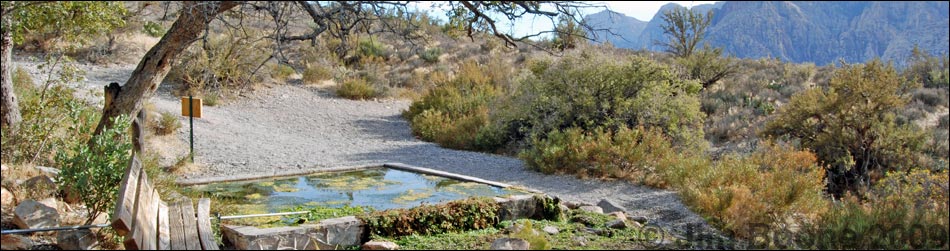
{"x":32,"y":230}
{"x":260,"y":215}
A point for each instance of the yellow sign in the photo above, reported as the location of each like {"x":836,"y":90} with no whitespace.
{"x":196,"y":106}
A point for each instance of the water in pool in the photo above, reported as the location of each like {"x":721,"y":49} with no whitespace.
{"x":378,"y":188}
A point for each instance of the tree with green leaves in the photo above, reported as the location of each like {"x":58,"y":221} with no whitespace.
{"x":65,"y":20}
{"x":851,"y":125}
{"x":686,"y":29}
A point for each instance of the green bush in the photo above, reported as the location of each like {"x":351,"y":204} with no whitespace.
{"x":153,"y":29}
{"x":455,"y":113}
{"x":431,"y":55}
{"x":455,"y":216}
{"x":370,"y":48}
{"x":904,"y":211}
{"x":93,"y":171}
{"x":593,"y":91}
{"x":630,"y":154}
{"x":229,"y":65}
{"x":852,"y":125}
{"x":53,"y":118}
{"x":356,"y":88}
{"x":282,"y":71}
{"x":316,"y":73}
{"x":168,"y":124}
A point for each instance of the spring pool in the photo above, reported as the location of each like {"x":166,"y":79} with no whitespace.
{"x":379,"y":188}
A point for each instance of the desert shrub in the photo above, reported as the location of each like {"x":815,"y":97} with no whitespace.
{"x":431,"y":55}
{"x":53,"y":118}
{"x":931,"y":71}
{"x":852,"y":125}
{"x":229,"y":64}
{"x":904,"y":211}
{"x":281,"y":71}
{"x":167,"y":124}
{"x":455,"y":113}
{"x":455,"y":216}
{"x":93,"y":170}
{"x":630,"y":154}
{"x":315,"y":73}
{"x":592,"y":90}
{"x":931,"y":98}
{"x":944,"y":122}
{"x":371,"y":47}
{"x":356,"y":88}
{"x":772,"y":187}
{"x":153,"y":29}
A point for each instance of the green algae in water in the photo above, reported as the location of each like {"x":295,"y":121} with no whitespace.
{"x":379,"y":188}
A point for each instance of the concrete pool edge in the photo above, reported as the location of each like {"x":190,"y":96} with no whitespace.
{"x":393,"y":165}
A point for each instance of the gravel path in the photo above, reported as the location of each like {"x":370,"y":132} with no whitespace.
{"x":291,"y":128}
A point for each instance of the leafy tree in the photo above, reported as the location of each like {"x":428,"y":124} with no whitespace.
{"x":66,"y":20}
{"x":685,"y":29}
{"x":851,"y":125}
{"x":569,"y":33}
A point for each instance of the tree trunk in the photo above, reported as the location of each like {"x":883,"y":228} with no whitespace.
{"x":194,"y":17}
{"x":9,"y":109}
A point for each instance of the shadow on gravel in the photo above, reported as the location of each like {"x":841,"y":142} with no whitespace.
{"x":389,"y":128}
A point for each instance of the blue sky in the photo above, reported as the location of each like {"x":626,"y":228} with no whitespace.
{"x":642,"y":10}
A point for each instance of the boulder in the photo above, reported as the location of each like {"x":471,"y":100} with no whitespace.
{"x":510,"y":244}
{"x":618,"y":215}
{"x":32,"y":214}
{"x":640,"y":219}
{"x":617,"y":224}
{"x":40,"y":186}
{"x":301,"y":237}
{"x":6,"y":198}
{"x":15,"y":242}
{"x":81,"y":239}
{"x":610,"y":206}
{"x":580,"y":240}
{"x":517,"y":207}
{"x":380,"y":245}
{"x":551,"y":230}
{"x":592,"y":209}
{"x":574,"y":204}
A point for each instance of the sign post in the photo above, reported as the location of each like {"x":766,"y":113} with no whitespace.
{"x":192,"y":110}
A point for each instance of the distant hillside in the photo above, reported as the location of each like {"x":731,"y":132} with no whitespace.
{"x":819,"y":32}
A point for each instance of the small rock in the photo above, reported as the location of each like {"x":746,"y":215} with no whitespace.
{"x":563,"y":208}
{"x":610,"y":206}
{"x":617,"y":224}
{"x":380,"y":245}
{"x":551,"y":230}
{"x":510,"y":244}
{"x":3,"y":167}
{"x":580,"y":240}
{"x":15,"y":242}
{"x":593,"y":231}
{"x":32,"y":214}
{"x":618,"y":215}
{"x":81,"y":239}
{"x":41,"y":186}
{"x":6,"y":198}
{"x":587,"y":221}
{"x":635,"y":224}
{"x":593,"y":209}
{"x":640,"y":219}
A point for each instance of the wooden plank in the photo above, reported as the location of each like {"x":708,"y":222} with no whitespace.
{"x":175,"y":227}
{"x":204,"y":225}
{"x":151,"y":226}
{"x":143,"y":224}
{"x":163,"y":235}
{"x":189,"y":225}
{"x":125,"y":205}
